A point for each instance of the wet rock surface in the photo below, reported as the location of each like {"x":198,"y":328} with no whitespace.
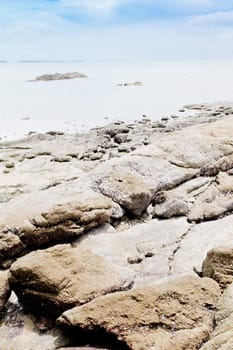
{"x":138,"y":205}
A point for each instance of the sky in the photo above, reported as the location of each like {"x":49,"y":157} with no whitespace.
{"x":116,"y":30}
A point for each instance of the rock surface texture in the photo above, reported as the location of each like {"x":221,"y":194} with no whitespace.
{"x":124,"y":233}
{"x":61,"y":277}
{"x":172,"y":315}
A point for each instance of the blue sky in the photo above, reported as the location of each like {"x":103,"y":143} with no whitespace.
{"x":116,"y":29}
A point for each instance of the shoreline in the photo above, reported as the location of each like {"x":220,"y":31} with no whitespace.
{"x":118,"y":218}
{"x":181,"y":113}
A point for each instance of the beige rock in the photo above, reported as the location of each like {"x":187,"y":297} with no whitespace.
{"x":212,"y":204}
{"x":218,"y":265}
{"x":197,"y":146}
{"x":173,"y":206}
{"x":61,"y":277}
{"x":152,"y":243}
{"x":127,"y":189}
{"x":56,"y":215}
{"x":176,"y":314}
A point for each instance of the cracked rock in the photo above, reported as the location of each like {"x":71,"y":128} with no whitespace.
{"x":152,"y":243}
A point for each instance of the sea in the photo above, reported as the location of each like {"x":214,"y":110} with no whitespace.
{"x":79,"y":104}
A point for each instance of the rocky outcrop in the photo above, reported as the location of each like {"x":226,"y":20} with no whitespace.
{"x":218,"y":265}
{"x":105,"y":192}
{"x":171,"y":315}
{"x":59,"y":278}
{"x":60,"y":76}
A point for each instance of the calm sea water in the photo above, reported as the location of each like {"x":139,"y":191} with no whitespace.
{"x":82,"y":103}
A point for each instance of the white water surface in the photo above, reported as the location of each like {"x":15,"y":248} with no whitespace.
{"x":72,"y":105}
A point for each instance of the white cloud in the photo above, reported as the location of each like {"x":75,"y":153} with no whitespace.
{"x":222,"y":18}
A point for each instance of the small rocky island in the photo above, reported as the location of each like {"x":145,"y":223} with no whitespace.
{"x":135,"y":83}
{"x":120,"y":238}
{"x":59,"y":76}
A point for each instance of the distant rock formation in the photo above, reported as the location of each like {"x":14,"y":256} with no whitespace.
{"x":59,"y":76}
{"x":136,"y":83}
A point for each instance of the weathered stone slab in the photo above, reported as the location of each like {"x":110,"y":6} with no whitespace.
{"x":176,"y":314}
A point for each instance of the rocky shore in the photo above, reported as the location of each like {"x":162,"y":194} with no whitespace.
{"x":120,"y":237}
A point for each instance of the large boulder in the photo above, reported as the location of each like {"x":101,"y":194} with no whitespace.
{"x":127,"y":189}
{"x":175,"y":314}
{"x":55,"y":215}
{"x":58,"y":278}
{"x":218,"y":265}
